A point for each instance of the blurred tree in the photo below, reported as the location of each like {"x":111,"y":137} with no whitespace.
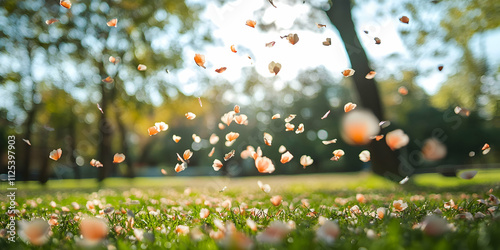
{"x":455,"y":33}
{"x":72,"y":54}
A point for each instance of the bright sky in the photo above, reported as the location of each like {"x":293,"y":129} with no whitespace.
{"x":229,"y":28}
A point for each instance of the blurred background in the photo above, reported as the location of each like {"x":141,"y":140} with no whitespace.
{"x":51,"y":82}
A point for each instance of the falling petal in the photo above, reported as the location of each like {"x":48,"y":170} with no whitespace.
{"x":196,"y":138}
{"x":153,"y":130}
{"x":286,"y":157}
{"x":433,"y":150}
{"x":176,"y":138}
{"x":251,"y":23}
{"x":100,"y":109}
{"x":190,"y":115}
{"x":282,"y":149}
{"x":370,"y":75}
{"x":36,"y":232}
{"x":187,"y":154}
{"x":65,"y":3}
{"x":161,"y":126}
{"x":227,"y":118}
{"x":55,"y":154}
{"x":229,"y":155}
{"x":320,"y":25}
{"x":179,"y":158}
{"x":268,"y":139}
{"x":403,"y":90}
{"x":327,"y":42}
{"x":290,"y":118}
{"x":293,"y":38}
{"x":404,"y":19}
{"x":300,"y":129}
{"x":180,"y":167}
{"x":276,"y":116}
{"x":289,"y":127}
{"x":199,"y":59}
{"x":248,"y":152}
{"x":220,"y":70}
{"x":349,"y":106}
{"x":264,"y":165}
{"x":329,"y":142}
{"x":93,"y":229}
{"x":364,"y":156}
{"x":274,"y":67}
{"x":377,"y":40}
{"x":306,"y":160}
{"x":337,"y":154}
{"x":142,"y":67}
{"x":96,"y":163}
{"x":118,"y":158}
{"x":403,"y":181}
{"x":112,"y":22}
{"x":217,"y":165}
{"x":163,"y":171}
{"x":270,"y":44}
{"x":377,"y":137}
{"x":325,"y":115}
{"x":384,"y":124}
{"x":241,"y":119}
{"x":27,"y":142}
{"x":51,"y":21}
{"x":214,"y":139}
{"x":114,"y":60}
{"x":348,"y":72}
{"x":231,"y":136}
{"x":199,"y":101}
{"x":397,"y":139}
{"x":108,"y":80}
{"x":486,"y":148}
{"x":461,"y":111}
{"x":211,"y":152}
{"x":233,"y":49}
{"x":359,"y":126}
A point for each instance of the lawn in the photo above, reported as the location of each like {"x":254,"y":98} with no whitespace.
{"x":347,"y":211}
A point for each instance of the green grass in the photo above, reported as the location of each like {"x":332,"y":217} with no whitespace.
{"x":178,"y":201}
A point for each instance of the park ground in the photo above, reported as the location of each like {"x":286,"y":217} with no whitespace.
{"x":347,"y":211}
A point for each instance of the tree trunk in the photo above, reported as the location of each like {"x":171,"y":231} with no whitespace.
{"x":30,"y":120}
{"x":27,"y":148}
{"x":385,"y":162}
{"x":106,"y":131}
{"x":44,"y":166}
{"x":72,"y":146}
{"x":125,"y":149}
